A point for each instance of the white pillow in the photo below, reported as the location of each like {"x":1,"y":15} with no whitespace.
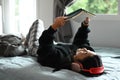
{"x":33,"y":35}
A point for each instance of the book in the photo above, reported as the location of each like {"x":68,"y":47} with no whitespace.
{"x":79,"y":15}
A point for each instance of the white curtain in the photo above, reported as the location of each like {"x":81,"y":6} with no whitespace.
{"x":1,"y":20}
{"x":18,"y":16}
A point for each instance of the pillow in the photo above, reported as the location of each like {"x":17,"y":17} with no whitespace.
{"x":11,"y":45}
{"x":33,"y":35}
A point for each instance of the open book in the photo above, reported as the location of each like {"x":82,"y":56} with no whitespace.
{"x":79,"y":15}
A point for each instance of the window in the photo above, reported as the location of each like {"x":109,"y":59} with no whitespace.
{"x":109,"y":7}
{"x":18,"y":15}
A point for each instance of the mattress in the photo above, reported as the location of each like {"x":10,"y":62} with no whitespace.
{"x":27,"y":68}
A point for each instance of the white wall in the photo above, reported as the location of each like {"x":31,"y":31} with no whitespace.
{"x":105,"y":30}
{"x":45,"y":11}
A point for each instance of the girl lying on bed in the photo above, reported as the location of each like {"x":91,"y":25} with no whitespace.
{"x":78,"y":56}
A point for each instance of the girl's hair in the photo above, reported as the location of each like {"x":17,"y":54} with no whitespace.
{"x":91,"y":62}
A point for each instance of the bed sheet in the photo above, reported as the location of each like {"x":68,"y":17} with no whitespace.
{"x":27,"y":68}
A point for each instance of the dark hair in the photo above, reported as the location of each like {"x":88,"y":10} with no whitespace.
{"x":91,"y":62}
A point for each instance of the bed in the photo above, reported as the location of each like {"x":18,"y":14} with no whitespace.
{"x":27,"y":68}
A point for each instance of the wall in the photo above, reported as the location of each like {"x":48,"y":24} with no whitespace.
{"x":45,"y":11}
{"x":105,"y":30}
{"x":105,"y":33}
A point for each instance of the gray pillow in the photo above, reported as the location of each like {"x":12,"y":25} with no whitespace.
{"x":33,"y":35}
{"x":11,"y":45}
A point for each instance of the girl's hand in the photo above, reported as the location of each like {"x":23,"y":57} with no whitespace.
{"x":86,"y":21}
{"x":59,"y":22}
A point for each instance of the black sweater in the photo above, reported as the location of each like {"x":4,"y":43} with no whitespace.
{"x":60,"y":56}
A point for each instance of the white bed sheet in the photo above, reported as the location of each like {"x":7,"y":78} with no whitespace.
{"x":27,"y":68}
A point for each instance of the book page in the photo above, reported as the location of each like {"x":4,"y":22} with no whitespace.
{"x":79,"y":16}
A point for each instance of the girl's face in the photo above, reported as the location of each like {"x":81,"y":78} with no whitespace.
{"x":82,"y":53}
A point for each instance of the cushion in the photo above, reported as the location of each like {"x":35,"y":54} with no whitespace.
{"x":11,"y":45}
{"x":33,"y":35}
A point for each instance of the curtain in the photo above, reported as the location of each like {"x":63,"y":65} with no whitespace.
{"x":66,"y":2}
{"x":64,"y":34}
{"x":18,"y":16}
{"x":1,"y":20}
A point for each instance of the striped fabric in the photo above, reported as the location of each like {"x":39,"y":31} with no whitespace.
{"x":33,"y":35}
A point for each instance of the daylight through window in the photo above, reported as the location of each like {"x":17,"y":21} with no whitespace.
{"x":107,"y":7}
